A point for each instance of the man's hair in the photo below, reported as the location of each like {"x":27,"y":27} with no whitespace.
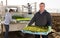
{"x":42,"y":3}
{"x":11,"y":10}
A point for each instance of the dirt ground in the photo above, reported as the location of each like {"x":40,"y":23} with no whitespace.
{"x":22,"y":35}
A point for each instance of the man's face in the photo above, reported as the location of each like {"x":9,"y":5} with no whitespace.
{"x":11,"y":12}
{"x":42,"y":7}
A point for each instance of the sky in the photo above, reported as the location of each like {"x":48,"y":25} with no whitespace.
{"x":50,"y":4}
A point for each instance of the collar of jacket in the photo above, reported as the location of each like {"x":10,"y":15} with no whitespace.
{"x":43,"y":12}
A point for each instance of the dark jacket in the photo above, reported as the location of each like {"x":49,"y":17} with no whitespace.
{"x":41,"y":19}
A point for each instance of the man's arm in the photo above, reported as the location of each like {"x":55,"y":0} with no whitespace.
{"x":25,"y":6}
{"x":49,"y":20}
{"x":10,"y":18}
{"x":32,"y":20}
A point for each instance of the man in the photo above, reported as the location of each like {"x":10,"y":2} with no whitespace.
{"x":8,"y":19}
{"x":29,"y":8}
{"x":41,"y":18}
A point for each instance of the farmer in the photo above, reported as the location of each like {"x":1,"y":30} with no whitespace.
{"x":41,"y":18}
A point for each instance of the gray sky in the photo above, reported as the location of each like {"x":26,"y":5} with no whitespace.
{"x":50,"y":4}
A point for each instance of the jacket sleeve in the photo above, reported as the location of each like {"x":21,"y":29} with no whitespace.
{"x":49,"y":19}
{"x":32,"y":20}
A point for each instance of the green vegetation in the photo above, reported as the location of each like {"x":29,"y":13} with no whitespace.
{"x":36,"y":29}
{"x":16,"y":17}
{"x":23,"y":19}
{"x":20,"y":18}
